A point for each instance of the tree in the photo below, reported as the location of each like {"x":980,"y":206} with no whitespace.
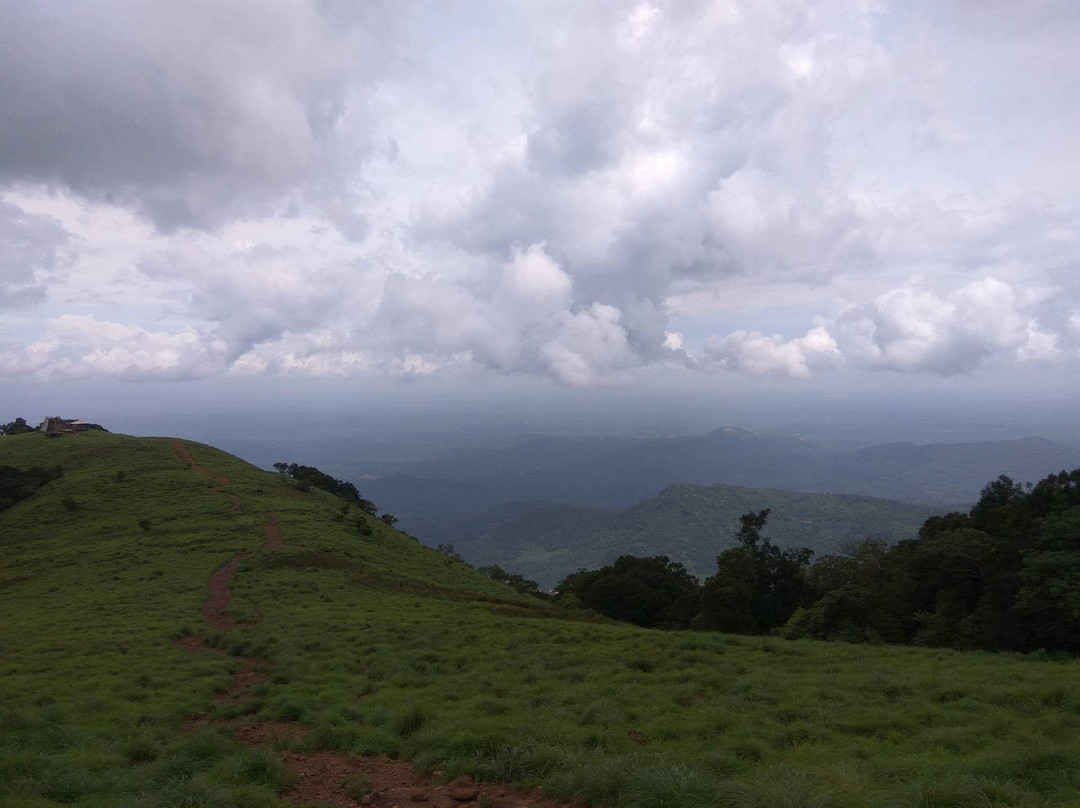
{"x":389,"y":518}
{"x":518,"y":582}
{"x":650,"y":592}
{"x":758,"y":586}
{"x":16,"y":427}
{"x":309,"y":475}
{"x":450,"y":553}
{"x":1004,"y":576}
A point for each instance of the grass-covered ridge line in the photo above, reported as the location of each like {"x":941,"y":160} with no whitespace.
{"x":380,"y":645}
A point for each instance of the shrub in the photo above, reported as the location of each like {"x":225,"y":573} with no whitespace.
{"x":145,"y":524}
{"x":70,"y":504}
{"x":357,"y":787}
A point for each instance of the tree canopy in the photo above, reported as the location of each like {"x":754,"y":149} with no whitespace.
{"x":320,"y":479}
{"x":1003,"y":576}
{"x":16,"y":427}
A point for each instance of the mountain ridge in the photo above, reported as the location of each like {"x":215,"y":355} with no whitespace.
{"x":691,"y":524}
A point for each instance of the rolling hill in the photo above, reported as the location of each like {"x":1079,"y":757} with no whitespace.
{"x":690,"y":524}
{"x":183,"y":629}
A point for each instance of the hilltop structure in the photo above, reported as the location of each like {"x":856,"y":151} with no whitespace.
{"x":66,"y":426}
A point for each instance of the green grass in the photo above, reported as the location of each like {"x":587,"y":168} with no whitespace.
{"x":379,"y":645}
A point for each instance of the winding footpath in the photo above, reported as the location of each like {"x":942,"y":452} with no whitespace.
{"x":325,"y":776}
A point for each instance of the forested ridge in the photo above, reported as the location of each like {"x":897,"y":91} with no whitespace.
{"x":1003,"y":576}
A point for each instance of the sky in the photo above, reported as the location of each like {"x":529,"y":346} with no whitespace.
{"x":717,"y":194}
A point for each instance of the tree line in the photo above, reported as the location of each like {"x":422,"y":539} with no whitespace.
{"x":307,"y":476}
{"x":1003,"y":576}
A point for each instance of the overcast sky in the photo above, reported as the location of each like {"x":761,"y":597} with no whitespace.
{"x":579,"y":194}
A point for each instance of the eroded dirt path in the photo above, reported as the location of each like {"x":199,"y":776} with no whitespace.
{"x":348,"y":781}
{"x":273,"y":535}
{"x":185,"y":455}
{"x":218,"y":596}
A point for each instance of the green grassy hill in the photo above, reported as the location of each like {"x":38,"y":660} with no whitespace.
{"x":691,"y":524}
{"x":113,"y":694}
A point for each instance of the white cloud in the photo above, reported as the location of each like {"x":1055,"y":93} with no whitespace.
{"x":760,"y":355}
{"x":912,"y":329}
{"x":81,"y":347}
{"x":590,"y":347}
{"x":550,"y":188}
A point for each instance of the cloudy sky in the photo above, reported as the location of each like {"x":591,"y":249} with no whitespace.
{"x":586,"y":194}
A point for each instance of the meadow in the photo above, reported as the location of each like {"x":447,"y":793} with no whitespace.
{"x":380,"y":645}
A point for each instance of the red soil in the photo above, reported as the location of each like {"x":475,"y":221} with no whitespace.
{"x":218,"y":596}
{"x":273,"y":535}
{"x":185,"y":455}
{"x":336,"y":779}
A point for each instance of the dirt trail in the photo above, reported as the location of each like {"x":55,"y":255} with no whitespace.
{"x":273,"y":535}
{"x":337,"y":779}
{"x":185,"y":455}
{"x":217,"y":598}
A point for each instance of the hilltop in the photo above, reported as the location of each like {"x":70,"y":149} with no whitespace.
{"x":183,"y":629}
{"x":690,"y":524}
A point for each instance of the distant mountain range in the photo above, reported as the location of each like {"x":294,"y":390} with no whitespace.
{"x":619,"y":471}
{"x":546,"y":541}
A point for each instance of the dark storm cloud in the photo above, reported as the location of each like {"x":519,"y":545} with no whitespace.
{"x":189,"y":112}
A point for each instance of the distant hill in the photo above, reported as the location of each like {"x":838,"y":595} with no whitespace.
{"x":621,"y":471}
{"x":546,"y":541}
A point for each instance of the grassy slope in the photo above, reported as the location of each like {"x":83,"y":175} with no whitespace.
{"x":380,"y":645}
{"x":690,"y":524}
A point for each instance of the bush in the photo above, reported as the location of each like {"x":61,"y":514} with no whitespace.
{"x":145,"y":524}
{"x":70,"y":504}
{"x":357,"y":787}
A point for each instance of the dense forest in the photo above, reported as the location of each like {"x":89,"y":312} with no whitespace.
{"x":1004,"y":576}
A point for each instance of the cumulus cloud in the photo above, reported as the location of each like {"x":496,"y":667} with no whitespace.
{"x":759,"y":355}
{"x":82,"y":347}
{"x":255,"y":293}
{"x":913,"y":329}
{"x":577,"y":191}
{"x":908,"y":329}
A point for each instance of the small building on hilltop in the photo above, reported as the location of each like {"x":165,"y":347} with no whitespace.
{"x":66,"y":426}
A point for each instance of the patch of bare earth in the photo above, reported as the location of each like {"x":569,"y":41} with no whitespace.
{"x":185,"y":455}
{"x":352,"y":780}
{"x":273,"y":535}
{"x":217,"y":599}
{"x":332,"y":777}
